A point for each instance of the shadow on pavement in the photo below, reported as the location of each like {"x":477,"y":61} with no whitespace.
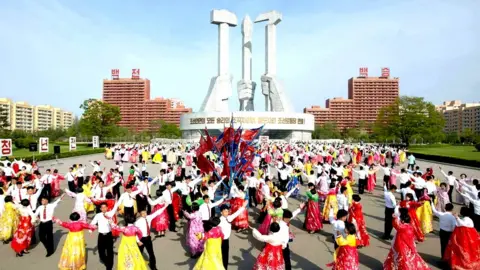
{"x":370,"y":262}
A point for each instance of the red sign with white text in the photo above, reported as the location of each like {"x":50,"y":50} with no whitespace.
{"x":115,"y":73}
{"x":385,"y":72}
{"x":6,"y":147}
{"x":136,"y":73}
{"x":43,"y":143}
{"x":364,"y":72}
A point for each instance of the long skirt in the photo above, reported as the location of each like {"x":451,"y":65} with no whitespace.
{"x":331,"y":201}
{"x":160,"y":223}
{"x":463,"y":249}
{"x":424,"y":214}
{"x":73,"y":252}
{"x":8,"y":222}
{"x":240,"y":222}
{"x":346,"y":258}
{"x":211,"y":258}
{"x":264,"y":228}
{"x":129,"y":256}
{"x":271,"y":258}
{"x":23,"y":235}
{"x":195,"y":226}
{"x":313,"y":218}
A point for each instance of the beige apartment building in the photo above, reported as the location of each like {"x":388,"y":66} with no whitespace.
{"x":460,"y":116}
{"x":23,"y":116}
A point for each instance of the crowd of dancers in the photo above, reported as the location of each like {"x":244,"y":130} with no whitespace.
{"x":123,"y":205}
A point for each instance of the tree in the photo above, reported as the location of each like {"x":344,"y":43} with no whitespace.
{"x":467,"y":135}
{"x":408,"y":117}
{"x":4,"y":121}
{"x":99,"y":118}
{"x":328,"y":130}
{"x":166,"y":130}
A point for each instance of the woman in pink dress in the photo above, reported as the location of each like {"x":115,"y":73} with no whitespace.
{"x":195,"y":226}
{"x":161,"y":222}
{"x":56,"y":178}
{"x":403,"y":254}
{"x":372,"y":179}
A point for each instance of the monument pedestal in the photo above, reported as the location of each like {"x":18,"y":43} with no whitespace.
{"x":277,"y":125}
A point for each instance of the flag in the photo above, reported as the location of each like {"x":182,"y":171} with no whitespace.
{"x":204,"y":164}
{"x":251,"y":134}
{"x":209,"y":141}
{"x":203,"y":148}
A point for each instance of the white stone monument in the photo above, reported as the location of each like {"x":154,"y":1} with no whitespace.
{"x":220,"y":88}
{"x":275,"y":98}
{"x":246,"y":87}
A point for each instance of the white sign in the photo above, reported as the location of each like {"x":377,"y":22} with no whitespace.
{"x":43,"y":145}
{"x":263,"y":139}
{"x":7,"y":149}
{"x":73,"y":143}
{"x":95,"y":142}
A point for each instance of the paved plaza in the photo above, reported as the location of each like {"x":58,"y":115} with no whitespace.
{"x":308,"y":251}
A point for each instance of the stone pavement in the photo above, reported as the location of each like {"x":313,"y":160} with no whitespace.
{"x":308,"y":251}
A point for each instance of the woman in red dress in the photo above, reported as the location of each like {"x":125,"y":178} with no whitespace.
{"x":177,"y":205}
{"x":241,"y":222}
{"x":346,"y":255}
{"x":463,"y":249}
{"x":313,"y":218}
{"x":355,"y":216}
{"x":159,"y":223}
{"x":403,"y":254}
{"x":56,"y":183}
{"x":25,"y":230}
{"x":271,"y":257}
{"x":412,"y":206}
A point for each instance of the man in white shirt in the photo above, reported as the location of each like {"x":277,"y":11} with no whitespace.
{"x":144,"y":224}
{"x":475,"y":201}
{"x":80,"y":175}
{"x":105,"y":238}
{"x":142,"y":201}
{"x":101,"y":191}
{"x":33,"y":197}
{"x":407,"y":190}
{"x":451,"y":182}
{"x":127,"y":200}
{"x":168,"y":197}
{"x":226,"y":225}
{"x":71,"y":180}
{"x":47,"y":184}
{"x":207,"y":206}
{"x":390,"y":204}
{"x":96,"y":166}
{"x":16,"y":191}
{"x":362,"y":179}
{"x":403,"y":177}
{"x":342,"y":199}
{"x":9,"y":172}
{"x":286,"y":235}
{"x":338,"y":225}
{"x":419,"y":184}
{"x":386,"y":174}
{"x":187,"y":187}
{"x":252,"y":184}
{"x":44,"y":213}
{"x":447,"y":222}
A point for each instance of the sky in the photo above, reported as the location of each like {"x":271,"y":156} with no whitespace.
{"x":58,"y":52}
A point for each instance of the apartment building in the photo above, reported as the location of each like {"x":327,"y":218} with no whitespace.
{"x":23,"y":116}
{"x":460,"y":116}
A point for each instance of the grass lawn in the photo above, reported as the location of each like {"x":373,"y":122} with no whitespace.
{"x":20,"y":153}
{"x":457,"y":151}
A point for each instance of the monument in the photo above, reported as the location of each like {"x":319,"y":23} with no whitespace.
{"x":279,"y":118}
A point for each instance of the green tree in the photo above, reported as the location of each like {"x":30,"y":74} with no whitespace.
{"x":407,"y":118}
{"x":452,"y":138}
{"x":328,"y":130}
{"x":467,"y":136}
{"x":4,"y":121}
{"x":99,"y":118}
{"x":165,"y":130}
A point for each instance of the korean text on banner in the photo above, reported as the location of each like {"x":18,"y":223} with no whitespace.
{"x":43,"y":145}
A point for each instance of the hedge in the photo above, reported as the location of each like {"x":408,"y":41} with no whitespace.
{"x":444,"y":159}
{"x":51,"y":156}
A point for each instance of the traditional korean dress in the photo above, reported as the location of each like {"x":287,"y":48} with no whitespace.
{"x":272,"y":215}
{"x":158,"y":158}
{"x":129,"y":255}
{"x":25,"y":230}
{"x":424,"y":214}
{"x":87,"y":190}
{"x":441,"y":199}
{"x":403,"y":254}
{"x":415,"y":223}
{"x":56,"y":184}
{"x":195,"y":225}
{"x":80,"y":200}
{"x":271,"y":257}
{"x":211,"y":258}
{"x":73,"y":253}
{"x":8,"y":222}
{"x":330,"y":202}
{"x":355,"y":216}
{"x":160,"y":223}
{"x":313,"y":218}
{"x":240,"y":222}
{"x":463,"y":249}
{"x":372,"y":180}
{"x":346,"y":255}
{"x":108,"y":153}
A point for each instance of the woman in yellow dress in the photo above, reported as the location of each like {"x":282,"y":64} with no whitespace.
{"x":308,"y":167}
{"x":8,"y":220}
{"x":73,"y":252}
{"x":157,"y":158}
{"x":330,"y":203}
{"x":424,"y":214}
{"x":129,"y":255}
{"x":108,"y":153}
{"x":145,"y":156}
{"x":211,"y":258}
{"x":403,"y":156}
{"x":87,"y":190}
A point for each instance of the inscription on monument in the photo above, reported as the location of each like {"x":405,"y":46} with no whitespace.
{"x":247,"y":120}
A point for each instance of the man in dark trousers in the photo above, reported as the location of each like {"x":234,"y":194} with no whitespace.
{"x":447,"y":222}
{"x":390,"y":204}
{"x":45,"y":229}
{"x":105,"y":238}
{"x":287,"y":237}
{"x":168,"y":195}
{"x":144,"y":223}
{"x":226,"y":226}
